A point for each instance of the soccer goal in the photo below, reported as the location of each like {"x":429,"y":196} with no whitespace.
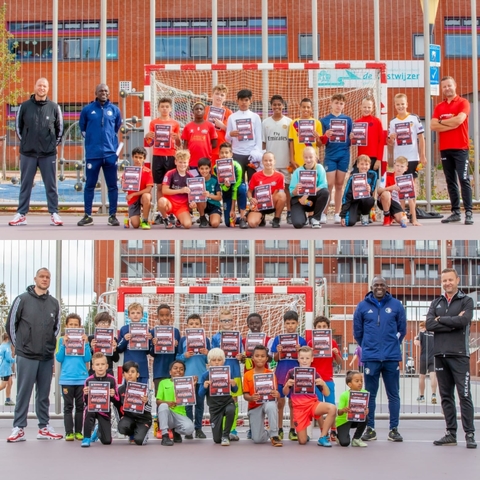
{"x":186,"y":84}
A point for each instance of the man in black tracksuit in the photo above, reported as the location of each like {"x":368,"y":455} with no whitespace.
{"x":39,"y":126}
{"x":449,"y":317}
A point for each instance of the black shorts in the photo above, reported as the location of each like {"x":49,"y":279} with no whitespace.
{"x":424,"y":368}
{"x":395,"y":207}
{"x":412,"y":168}
{"x":211,"y":209}
{"x":5,"y":379}
{"x":263,"y":212}
{"x":160,"y":166}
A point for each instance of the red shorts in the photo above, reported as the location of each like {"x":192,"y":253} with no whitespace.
{"x":304,"y":412}
{"x":178,"y":208}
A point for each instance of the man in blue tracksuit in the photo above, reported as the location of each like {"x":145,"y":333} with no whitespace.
{"x":379,"y":327}
{"x":99,"y":123}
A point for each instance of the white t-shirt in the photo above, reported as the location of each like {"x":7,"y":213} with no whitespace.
{"x":275,"y":136}
{"x":249,"y":127}
{"x":407,"y":129}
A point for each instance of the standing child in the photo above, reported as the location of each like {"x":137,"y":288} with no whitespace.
{"x":135,"y":314}
{"x":7,"y":360}
{"x":170,"y":415}
{"x":139,"y":202}
{"x":354,"y":209}
{"x":226,"y":324}
{"x":195,"y":366}
{"x":134,"y":425}
{"x":104,"y":320}
{"x":233,"y":194}
{"x":72,"y":380}
{"x":100,"y":367}
{"x":174,"y":202}
{"x":354,"y":380}
{"x":199,"y":136}
{"x":212,"y":207}
{"x":257,"y":410}
{"x":221,"y":407}
{"x":290,"y":326}
{"x":162,"y":361}
{"x":337,"y":127}
{"x":268,"y":176}
{"x":307,"y":406}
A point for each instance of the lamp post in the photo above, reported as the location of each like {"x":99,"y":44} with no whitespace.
{"x":429,"y":8}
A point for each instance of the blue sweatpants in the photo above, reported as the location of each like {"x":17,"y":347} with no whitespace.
{"x":92,"y":170}
{"x":390,"y":371}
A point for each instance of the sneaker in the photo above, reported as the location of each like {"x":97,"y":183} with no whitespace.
{"x":433,"y":401}
{"x":243,"y":223}
{"x":55,"y":220}
{"x":176,"y":437}
{"x":292,"y":435}
{"x":78,"y":436}
{"x":369,"y":435}
{"x":337,"y":218}
{"x":86,"y":221}
{"x":403,"y":223}
{"x":203,"y":222}
{"x":324,"y":442}
{"x":199,"y":433}
{"x":225,"y":442}
{"x":364,"y":220}
{"x":234,"y":436}
{"x":85,"y":443}
{"x":158,"y":220}
{"x":69,"y":437}
{"x":420,"y":398}
{"x":188,"y":437}
{"x":167,"y":441}
{"x":276,"y":222}
{"x":131,"y":440}
{"x":358,"y":442}
{"x":468,"y":218}
{"x":144,"y":225}
{"x":249,"y":434}
{"x":387,"y":220}
{"x":315,"y":223}
{"x":289,"y":218}
{"x":449,"y":439}
{"x":263,"y":222}
{"x":9,"y":403}
{"x":112,"y":221}
{"x":17,"y":435}
{"x":470,"y":440}
{"x":178,"y":224}
{"x":280,"y":433}
{"x":323,"y":218}
{"x":18,"y":220}
{"x":454,"y":217}
{"x":276,"y":442}
{"x":48,"y":433}
{"x":394,"y":436}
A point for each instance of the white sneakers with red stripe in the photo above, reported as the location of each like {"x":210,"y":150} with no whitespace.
{"x":18,"y":219}
{"x":48,"y":433}
{"x":55,"y":220}
{"x":17,"y":435}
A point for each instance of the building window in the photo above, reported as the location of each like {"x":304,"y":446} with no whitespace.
{"x":304,"y":244}
{"x":199,"y":47}
{"x":134,"y":244}
{"x":305,"y":46}
{"x":163,"y":269}
{"x":459,"y":46}
{"x":135,"y":270}
{"x":194,"y":244}
{"x":318,"y":270}
{"x":392,"y":244}
{"x":193,"y":269}
{"x":276,"y":244}
{"x":418,"y":46}
{"x":426,"y":271}
{"x":172,"y":48}
{"x":393,"y":271}
{"x":426,"y":245}
{"x":239,"y":47}
{"x":276,"y":270}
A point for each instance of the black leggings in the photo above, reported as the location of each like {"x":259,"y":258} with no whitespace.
{"x":319,"y":202}
{"x":73,"y":395}
{"x":131,"y":426}
{"x":343,"y":432}
{"x":104,"y":426}
{"x":220,"y":430}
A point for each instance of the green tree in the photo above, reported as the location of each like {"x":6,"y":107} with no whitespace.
{"x":89,"y":319}
{"x":10,"y":81}
{"x":4,"y":307}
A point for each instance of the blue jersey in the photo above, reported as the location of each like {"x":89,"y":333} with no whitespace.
{"x":338,"y":146}
{"x":284,"y":366}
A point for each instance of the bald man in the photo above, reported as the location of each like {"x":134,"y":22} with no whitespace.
{"x":39,"y":126}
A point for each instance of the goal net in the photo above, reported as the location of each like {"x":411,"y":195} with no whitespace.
{"x":187,"y":84}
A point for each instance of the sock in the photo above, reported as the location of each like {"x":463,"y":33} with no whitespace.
{"x":234,"y":425}
{"x":386,"y":214}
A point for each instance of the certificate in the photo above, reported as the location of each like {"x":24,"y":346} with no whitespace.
{"x":359,"y":130}
{"x":289,"y":342}
{"x":252,"y":340}
{"x":75,"y":346}
{"x":163,"y":136}
{"x":306,"y":129}
{"x":322,"y":343}
{"x":358,"y":404}
{"x":197,"y":189}
{"x":225,"y":170}
{"x":219,"y":380}
{"x":404,"y":133}
{"x":230,"y":343}
{"x":138,"y":339}
{"x":245,"y":129}
{"x":359,"y":186}
{"x":104,"y":341}
{"x":195,"y":340}
{"x":263,"y":195}
{"x":406,"y":185}
{"x":339,"y":130}
{"x":307,"y":182}
{"x":98,"y":396}
{"x":165,"y":336}
{"x":133,"y":397}
{"x":264,"y":383}
{"x":216,"y":113}
{"x":184,"y":390}
{"x":304,"y":378}
{"x":131,"y":179}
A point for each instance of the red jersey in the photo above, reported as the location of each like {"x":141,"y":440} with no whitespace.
{"x":199,"y":137}
{"x":324,"y":365}
{"x":276,"y":181}
{"x":221,"y":133}
{"x":457,"y":138}
{"x":175,"y":181}
{"x":146,"y":180}
{"x":163,"y":143}
{"x":375,"y":137}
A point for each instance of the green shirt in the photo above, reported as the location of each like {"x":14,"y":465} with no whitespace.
{"x":166,"y":393}
{"x":212,"y":186}
{"x":343,"y":403}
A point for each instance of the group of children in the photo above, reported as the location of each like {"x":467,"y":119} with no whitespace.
{"x":267,"y":160}
{"x":174,"y":418}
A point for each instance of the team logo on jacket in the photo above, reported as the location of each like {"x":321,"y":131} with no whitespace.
{"x":110,"y":113}
{"x":93,"y":112}
{"x":388,"y":310}
{"x":370,"y":311}
{"x":48,"y":118}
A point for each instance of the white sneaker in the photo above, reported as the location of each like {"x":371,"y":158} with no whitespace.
{"x":55,"y":220}
{"x":17,"y":435}
{"x":364,"y":219}
{"x":18,"y":219}
{"x":48,"y":433}
{"x":323,"y":218}
{"x":315,"y":223}
{"x":358,"y":442}
{"x":337,"y":218}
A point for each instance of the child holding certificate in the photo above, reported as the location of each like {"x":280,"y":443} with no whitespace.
{"x":136,"y":346}
{"x":306,"y":406}
{"x":216,"y":384}
{"x":170,"y":415}
{"x":354,"y":380}
{"x":303,"y":201}
{"x":100,"y":388}
{"x":72,"y":378}
{"x":212,"y":207}
{"x":358,"y":197}
{"x":260,"y":392}
{"x":227,"y":325}
{"x":139,"y":200}
{"x":136,"y":407}
{"x":104,"y":340}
